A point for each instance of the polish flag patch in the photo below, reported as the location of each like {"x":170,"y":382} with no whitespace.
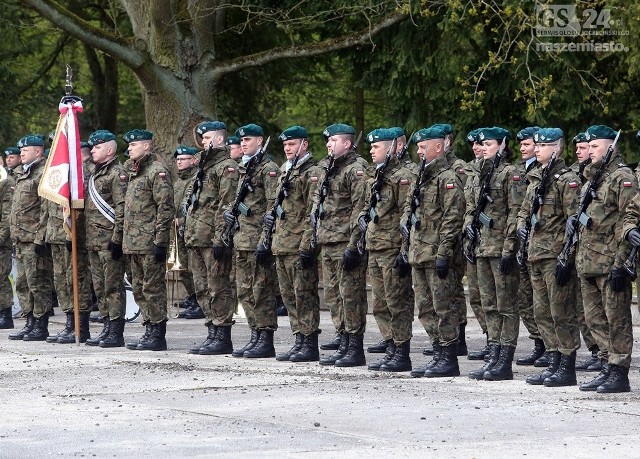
{"x":450,"y":186}
{"x":273,"y":174}
{"x":516,"y":178}
{"x":162,"y":175}
{"x":627,"y":184}
{"x":404,"y":181}
{"x":313,"y":178}
{"x":573,"y":184}
{"x":231,"y":169}
{"x":123,"y":178}
{"x":359,"y":173}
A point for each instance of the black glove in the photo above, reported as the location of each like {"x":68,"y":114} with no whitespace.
{"x":350,"y":260}
{"x":307,"y":259}
{"x":618,"y":279}
{"x":563,"y":273}
{"x":404,"y":230}
{"x":507,"y":264}
{"x":470,"y":232}
{"x":362,"y":223}
{"x":69,"y":246}
{"x":263,"y":255}
{"x":40,"y":249}
{"x":522,"y":233}
{"x":220,"y":252}
{"x":160,"y":253}
{"x":229,"y":218}
{"x":568,"y":229}
{"x":403,"y":266}
{"x":268,"y":220}
{"x":116,"y":250}
{"x":442,"y":267}
{"x":634,"y":237}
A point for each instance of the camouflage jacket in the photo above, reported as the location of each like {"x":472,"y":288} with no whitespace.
{"x":409,"y":164}
{"x":457,"y":165}
{"x":293,"y":233}
{"x":205,"y":225}
{"x":579,"y":171}
{"x":507,"y":191}
{"x":180,"y":187}
{"x":602,"y":245}
{"x":471,"y":169}
{"x":344,"y":201}
{"x":440,"y":214}
{"x":265,"y":183}
{"x":54,"y":218}
{"x":396,"y":186}
{"x":110,"y":180}
{"x":6,"y":195}
{"x":148,"y":206}
{"x":27,"y":219}
{"x":560,"y":201}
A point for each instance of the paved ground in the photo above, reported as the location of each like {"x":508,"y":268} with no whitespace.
{"x":63,"y":400}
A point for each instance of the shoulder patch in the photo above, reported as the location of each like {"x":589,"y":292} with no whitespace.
{"x":404,"y":181}
{"x":359,"y":173}
{"x":313,"y":178}
{"x":450,"y":186}
{"x":162,"y":175}
{"x":516,"y":178}
{"x":573,"y":184}
{"x":273,"y":174}
{"x":627,"y":184}
{"x":231,"y":169}
{"x":122,"y":177}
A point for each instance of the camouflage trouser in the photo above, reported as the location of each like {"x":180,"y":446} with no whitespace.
{"x":589,"y":342}
{"x":474,"y":296}
{"x":6,"y":292}
{"x":436,"y":306}
{"x":255,"y":286}
{"x":459,"y":300}
{"x":107,"y":275}
{"x":608,"y":316}
{"x":554,"y":308}
{"x":525,"y":303}
{"x":149,"y":287}
{"x":33,"y":284}
{"x":390,"y":294}
{"x":344,"y":292}
{"x":299,"y":289}
{"x":497,"y":294}
{"x":63,"y":278}
{"x":213,"y":289}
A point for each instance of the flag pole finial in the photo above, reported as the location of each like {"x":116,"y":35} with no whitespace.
{"x":68,"y":86}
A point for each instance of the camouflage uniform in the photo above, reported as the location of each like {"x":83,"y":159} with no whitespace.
{"x":344,"y":291}
{"x":6,"y":195}
{"x":180,"y":187}
{"x":149,"y":211}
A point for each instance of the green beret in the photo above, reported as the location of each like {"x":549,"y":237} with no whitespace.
{"x":380,"y":135}
{"x":544,"y":135}
{"x":493,"y":133}
{"x":526,"y":133}
{"x":294,"y":132}
{"x":428,"y":134}
{"x":472,"y":136}
{"x":336,"y":129}
{"x":137,"y":134}
{"x":184,"y":150}
{"x":600,"y":131}
{"x":11,"y":151}
{"x":84,"y":145}
{"x":446,"y":128}
{"x":31,"y":140}
{"x":397,"y":132}
{"x":100,"y":136}
{"x":233,"y":140}
{"x":46,"y":153}
{"x":250,"y":130}
{"x":580,"y":138}
{"x":207,"y":126}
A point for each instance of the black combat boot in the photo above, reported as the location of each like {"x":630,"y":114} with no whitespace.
{"x":85,"y":332}
{"x":565,"y":375}
{"x":420,"y":371}
{"x":133,"y":345}
{"x":340,"y":352}
{"x":211,"y":335}
{"x":428,"y":351}
{"x":194,"y":312}
{"x":494,"y":352}
{"x":106,"y":324}
{"x":380,"y":347}
{"x":599,"y":380}
{"x":221,"y":344}
{"x":535,"y":354}
{"x":157,"y":340}
{"x":502,"y":371}
{"x":28,"y":326}
{"x":618,"y":381}
{"x":6,"y":319}
{"x":391,"y":349}
{"x":447,"y":364}
{"x":462,"y":342}
{"x":263,"y":348}
{"x":401,"y":360}
{"x":592,"y":363}
{"x":285,"y":356}
{"x":252,"y":342}
{"x":355,"y":353}
{"x":40,"y":329}
{"x":332,"y":345}
{"x":309,"y":351}
{"x":68,"y":330}
{"x":543,"y":361}
{"x":115,"y":337}
{"x":554,"y":364}
{"x":479,"y":355}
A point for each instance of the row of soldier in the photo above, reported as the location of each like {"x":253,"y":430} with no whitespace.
{"x":398,"y":222}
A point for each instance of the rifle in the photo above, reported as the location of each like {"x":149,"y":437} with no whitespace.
{"x":479,"y":217}
{"x":537,"y":200}
{"x":277,"y":210}
{"x":192,"y":200}
{"x":371,"y":215}
{"x":318,"y":213}
{"x":405,"y":147}
{"x":246,"y":187}
{"x":581,"y":217}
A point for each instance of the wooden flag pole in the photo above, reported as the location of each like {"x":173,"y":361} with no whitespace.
{"x":74,"y":266}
